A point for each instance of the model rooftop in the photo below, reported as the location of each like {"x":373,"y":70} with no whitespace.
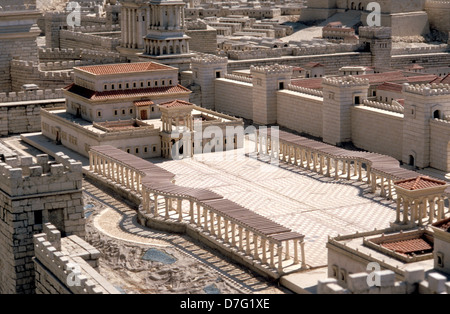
{"x":114,"y":69}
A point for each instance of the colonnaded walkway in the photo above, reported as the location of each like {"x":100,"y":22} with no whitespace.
{"x":301,"y":200}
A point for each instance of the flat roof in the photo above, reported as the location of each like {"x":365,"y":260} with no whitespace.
{"x":122,"y":68}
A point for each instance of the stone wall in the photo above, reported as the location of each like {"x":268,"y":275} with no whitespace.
{"x":332,"y":63}
{"x":438,"y":13}
{"x":413,"y":283}
{"x":439,"y":144}
{"x":203,"y":40}
{"x":69,"y":39}
{"x":377,"y":130}
{"x":300,"y":112}
{"x":22,"y":48}
{"x":234,"y":97}
{"x":24,"y":116}
{"x":24,"y":72}
{"x":67,"y":266}
{"x":425,"y":59}
{"x":31,"y":195}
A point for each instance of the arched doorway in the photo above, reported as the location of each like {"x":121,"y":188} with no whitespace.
{"x":437,"y":114}
{"x":411,"y":161}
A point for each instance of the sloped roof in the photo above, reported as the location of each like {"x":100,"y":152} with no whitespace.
{"x":122,"y":68}
{"x":419,"y":183}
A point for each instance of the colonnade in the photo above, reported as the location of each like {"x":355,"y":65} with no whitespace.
{"x":159,"y":47}
{"x":275,"y":252}
{"x":271,"y":252}
{"x":419,"y":211}
{"x":115,"y":171}
{"x":133,"y":23}
{"x":330,"y":162}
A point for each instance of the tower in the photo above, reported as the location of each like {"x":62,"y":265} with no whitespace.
{"x":32,"y":194}
{"x":134,"y":18}
{"x":166,"y":41}
{"x":422,"y":104}
{"x":267,"y":80}
{"x":339,"y":96}
{"x":205,"y":69}
{"x":377,"y":40}
{"x":18,"y":33}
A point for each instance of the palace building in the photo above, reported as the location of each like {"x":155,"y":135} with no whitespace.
{"x":111,"y":104}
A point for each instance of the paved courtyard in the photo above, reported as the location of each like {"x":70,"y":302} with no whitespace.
{"x":304,"y":201}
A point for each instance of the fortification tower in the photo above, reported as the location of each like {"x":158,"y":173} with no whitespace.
{"x":377,"y":40}
{"x":18,"y":33}
{"x":339,"y":95}
{"x":32,"y":194}
{"x":267,"y":80}
{"x":422,"y":104}
{"x":205,"y":69}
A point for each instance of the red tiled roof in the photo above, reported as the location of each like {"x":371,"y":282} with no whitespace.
{"x":392,"y":87}
{"x":175,"y":103}
{"x":313,"y":83}
{"x":143,"y":103}
{"x":106,"y":69}
{"x":421,"y":78}
{"x":313,"y":65}
{"x":409,"y":246}
{"x":395,"y":76}
{"x":419,"y":183}
{"x":441,"y":80}
{"x":127,"y":93}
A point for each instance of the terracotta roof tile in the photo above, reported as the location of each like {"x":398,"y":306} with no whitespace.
{"x":421,"y":182}
{"x":127,"y":93}
{"x":106,"y":69}
{"x":393,"y":87}
{"x":175,"y":103}
{"x":143,"y":103}
{"x":314,"y":83}
{"x":410,"y":246}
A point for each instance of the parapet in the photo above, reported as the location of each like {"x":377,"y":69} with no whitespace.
{"x":19,"y":7}
{"x":427,"y":89}
{"x":31,"y":95}
{"x":271,"y":69}
{"x":208,"y":59}
{"x":73,"y":273}
{"x":384,"y":282}
{"x":345,"y":81}
{"x":19,"y":176}
{"x":378,"y":32}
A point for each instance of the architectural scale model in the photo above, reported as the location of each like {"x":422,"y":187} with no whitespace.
{"x":245,"y":146}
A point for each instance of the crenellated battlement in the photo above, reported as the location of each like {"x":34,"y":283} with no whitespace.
{"x":427,"y":89}
{"x":73,"y":273}
{"x":304,"y":90}
{"x":384,"y":106}
{"x":97,"y":28}
{"x":31,"y":95}
{"x":271,"y":69}
{"x":209,"y":59}
{"x":346,"y":81}
{"x":21,"y":176}
{"x":239,"y":78}
{"x":378,"y":32}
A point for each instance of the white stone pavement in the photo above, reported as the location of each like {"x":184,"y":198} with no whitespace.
{"x":310,"y":204}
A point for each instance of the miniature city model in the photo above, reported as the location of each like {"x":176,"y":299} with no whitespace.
{"x":196,"y":146}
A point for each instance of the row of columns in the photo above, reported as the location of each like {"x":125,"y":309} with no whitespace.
{"x":259,"y":247}
{"x":418,"y":211}
{"x":133,"y":27}
{"x":311,"y":160}
{"x":115,"y":171}
{"x":154,"y":47}
{"x":164,"y":17}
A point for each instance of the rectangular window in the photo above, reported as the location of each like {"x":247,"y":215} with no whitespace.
{"x":99,"y":113}
{"x":38,"y":217}
{"x":131,"y":111}
{"x":116,"y":112}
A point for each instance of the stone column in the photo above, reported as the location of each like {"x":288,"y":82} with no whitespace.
{"x":191,"y":211}
{"x":155,"y":205}
{"x":199,"y":216}
{"x":91,"y":160}
{"x":247,"y":239}
{"x":180,"y":209}
{"x":166,"y":207}
{"x":432,"y":209}
{"x":397,"y":217}
{"x":280,"y":259}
